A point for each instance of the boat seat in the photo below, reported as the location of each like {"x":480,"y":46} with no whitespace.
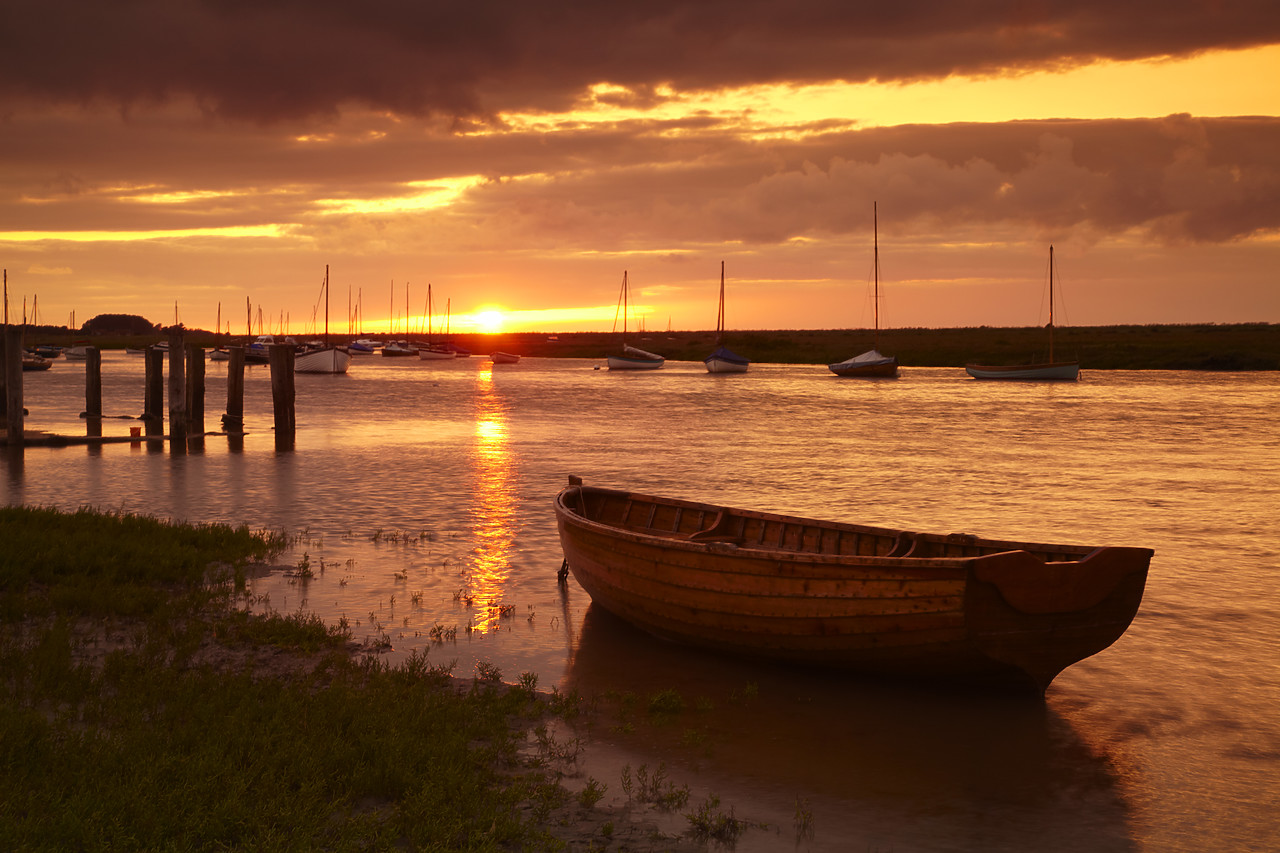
{"x":717,"y":531}
{"x":903,"y":545}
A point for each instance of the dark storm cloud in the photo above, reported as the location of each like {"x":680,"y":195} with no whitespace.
{"x":274,"y":59}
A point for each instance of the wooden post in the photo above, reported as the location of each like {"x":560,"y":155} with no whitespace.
{"x":282,"y":396}
{"x":233,"y":420}
{"x":195,"y":391}
{"x":153,"y":402}
{"x":13,"y":386}
{"x":177,"y":393}
{"x":93,"y":383}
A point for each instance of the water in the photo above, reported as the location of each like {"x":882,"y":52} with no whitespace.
{"x":425,"y":489}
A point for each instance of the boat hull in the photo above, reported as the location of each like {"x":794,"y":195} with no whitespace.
{"x":327,"y":360}
{"x":724,"y":365}
{"x":867,"y":599}
{"x":869,"y":365}
{"x":435,"y":354}
{"x":628,"y":362}
{"x":504,"y":358}
{"x":1067,"y":371}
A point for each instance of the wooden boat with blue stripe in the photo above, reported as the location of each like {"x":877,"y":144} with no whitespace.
{"x":890,"y":602}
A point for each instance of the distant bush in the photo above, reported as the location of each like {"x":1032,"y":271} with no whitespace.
{"x":118,"y":324}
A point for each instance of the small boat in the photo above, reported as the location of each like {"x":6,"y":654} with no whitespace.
{"x":724,"y":360}
{"x":46,"y":351}
{"x":362,"y":347}
{"x":433,"y":350}
{"x":871,"y":364}
{"x":219,"y":354}
{"x":321,"y":356}
{"x":631,"y":358}
{"x":31,"y":361}
{"x":887,"y":602}
{"x":398,"y":349}
{"x":1068,"y":371}
{"x":504,"y":358}
{"x":78,"y":352}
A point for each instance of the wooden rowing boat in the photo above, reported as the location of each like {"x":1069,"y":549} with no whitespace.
{"x":870,"y":599}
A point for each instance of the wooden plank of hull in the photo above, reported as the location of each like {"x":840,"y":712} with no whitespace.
{"x":833,"y":594}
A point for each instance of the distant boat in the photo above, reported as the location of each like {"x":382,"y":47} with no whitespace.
{"x":78,"y":352}
{"x":631,"y":358}
{"x":871,"y":364}
{"x":219,"y":354}
{"x":398,"y":349}
{"x":954,"y":607}
{"x":504,"y":358}
{"x":31,"y":361}
{"x":1055,"y":370}
{"x":258,"y":352}
{"x":431,"y":350}
{"x":724,"y":360}
{"x":325,"y":358}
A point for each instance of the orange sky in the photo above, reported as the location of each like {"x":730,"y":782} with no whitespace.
{"x":519,"y":159}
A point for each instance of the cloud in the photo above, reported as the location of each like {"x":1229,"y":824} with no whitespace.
{"x":272,"y":60}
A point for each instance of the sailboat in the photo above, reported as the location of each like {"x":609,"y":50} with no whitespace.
{"x":871,"y":364}
{"x":326,"y":358}
{"x":1061,"y":370}
{"x":433,"y":351}
{"x":724,"y":360}
{"x":632,"y":358}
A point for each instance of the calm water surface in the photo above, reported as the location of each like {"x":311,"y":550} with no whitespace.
{"x":425,"y":491}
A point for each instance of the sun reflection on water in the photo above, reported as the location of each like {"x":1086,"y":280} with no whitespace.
{"x":494,"y":507}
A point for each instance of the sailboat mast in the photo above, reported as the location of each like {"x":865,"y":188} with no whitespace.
{"x":875,"y":243}
{"x":326,"y":304}
{"x":720,"y":311}
{"x":1051,"y":304}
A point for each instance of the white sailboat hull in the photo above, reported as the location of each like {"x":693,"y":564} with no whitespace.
{"x":716,"y":364}
{"x":633,"y":358}
{"x":327,"y":360}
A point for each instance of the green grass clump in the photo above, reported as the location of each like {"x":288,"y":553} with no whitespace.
{"x":96,"y":563}
{"x":118,"y":731}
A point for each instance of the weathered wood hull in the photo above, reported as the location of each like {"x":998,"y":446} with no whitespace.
{"x":1066,"y":371}
{"x":850,"y":596}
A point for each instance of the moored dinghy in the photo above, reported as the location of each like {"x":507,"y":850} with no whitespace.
{"x":1046,"y":370}
{"x":723,"y":359}
{"x":871,"y":364}
{"x":952,"y":607}
{"x":631,"y":358}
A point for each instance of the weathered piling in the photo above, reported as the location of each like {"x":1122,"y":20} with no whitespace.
{"x":93,"y":383}
{"x":153,"y":401}
{"x":282,"y":395}
{"x":233,"y":420}
{"x":195,"y":391}
{"x":177,"y":393}
{"x":13,"y":385}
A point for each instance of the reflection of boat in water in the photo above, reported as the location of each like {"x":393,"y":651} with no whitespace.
{"x":866,"y":754}
{"x":950,"y":607}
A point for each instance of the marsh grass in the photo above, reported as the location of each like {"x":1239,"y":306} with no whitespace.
{"x":121,"y":729}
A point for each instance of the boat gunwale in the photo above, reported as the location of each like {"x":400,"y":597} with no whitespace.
{"x":758,"y":552}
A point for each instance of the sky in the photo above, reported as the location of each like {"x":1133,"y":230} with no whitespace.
{"x":207,"y":160}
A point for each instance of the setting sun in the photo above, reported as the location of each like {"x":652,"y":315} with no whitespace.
{"x":489,"y":321}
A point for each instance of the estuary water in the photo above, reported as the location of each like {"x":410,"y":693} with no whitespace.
{"x":420,"y":494}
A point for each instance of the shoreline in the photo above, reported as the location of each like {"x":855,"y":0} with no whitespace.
{"x":1206,"y":347}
